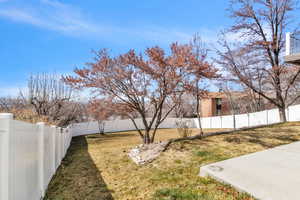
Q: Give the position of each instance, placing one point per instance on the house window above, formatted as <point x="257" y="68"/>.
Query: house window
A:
<point x="218" y="106"/>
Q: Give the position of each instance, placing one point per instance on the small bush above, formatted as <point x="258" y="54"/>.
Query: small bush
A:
<point x="183" y="128"/>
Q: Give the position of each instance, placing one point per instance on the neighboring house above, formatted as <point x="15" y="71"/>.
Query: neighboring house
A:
<point x="218" y="103"/>
<point x="215" y="104"/>
<point x="292" y="48"/>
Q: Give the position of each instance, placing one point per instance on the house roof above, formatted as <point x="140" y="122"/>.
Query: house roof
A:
<point x="222" y="95"/>
<point x="211" y="95"/>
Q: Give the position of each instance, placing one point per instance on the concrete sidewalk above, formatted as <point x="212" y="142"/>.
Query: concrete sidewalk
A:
<point x="272" y="174"/>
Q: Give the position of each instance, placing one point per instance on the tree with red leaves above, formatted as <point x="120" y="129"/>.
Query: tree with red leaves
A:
<point x="140" y="85"/>
<point x="100" y="110"/>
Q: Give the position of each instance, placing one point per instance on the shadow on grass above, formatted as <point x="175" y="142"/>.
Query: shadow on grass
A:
<point x="109" y="135"/>
<point x="267" y="137"/>
<point x="78" y="177"/>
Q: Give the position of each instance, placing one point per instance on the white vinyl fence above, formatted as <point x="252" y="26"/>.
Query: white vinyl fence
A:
<point x="238" y="121"/>
<point x="31" y="153"/>
<point x="91" y="127"/>
<point x="29" y="157"/>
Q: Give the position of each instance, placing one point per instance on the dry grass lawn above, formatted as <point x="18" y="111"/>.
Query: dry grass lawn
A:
<point x="98" y="168"/>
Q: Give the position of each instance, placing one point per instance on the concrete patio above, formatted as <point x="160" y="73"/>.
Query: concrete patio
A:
<point x="273" y="174"/>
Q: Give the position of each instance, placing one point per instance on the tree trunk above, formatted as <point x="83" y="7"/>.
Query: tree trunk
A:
<point x="101" y="127"/>
<point x="199" y="111"/>
<point x="200" y="125"/>
<point x="282" y="114"/>
<point x="147" y="139"/>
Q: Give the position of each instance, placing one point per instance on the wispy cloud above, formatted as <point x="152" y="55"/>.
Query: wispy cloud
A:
<point x="67" y="19"/>
<point x="51" y="15"/>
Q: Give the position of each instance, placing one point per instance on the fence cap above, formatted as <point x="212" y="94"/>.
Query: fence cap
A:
<point x="40" y="123"/>
<point x="6" y="116"/>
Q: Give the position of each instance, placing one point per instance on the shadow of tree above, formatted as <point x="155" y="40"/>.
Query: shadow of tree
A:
<point x="78" y="178"/>
<point x="109" y="135"/>
<point x="265" y="137"/>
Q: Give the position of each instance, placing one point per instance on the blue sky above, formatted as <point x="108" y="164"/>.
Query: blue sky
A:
<point x="58" y="35"/>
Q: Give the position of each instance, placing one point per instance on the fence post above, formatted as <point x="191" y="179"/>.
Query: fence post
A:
<point x="63" y="142"/>
<point x="70" y="130"/>
<point x="248" y="119"/>
<point x="41" y="137"/>
<point x="234" y="122"/>
<point x="70" y="135"/>
<point x="59" y="145"/>
<point x="5" y="127"/>
<point x="53" y="131"/>
<point x="267" y="120"/>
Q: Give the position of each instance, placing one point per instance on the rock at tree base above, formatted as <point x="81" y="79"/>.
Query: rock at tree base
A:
<point x="146" y="153"/>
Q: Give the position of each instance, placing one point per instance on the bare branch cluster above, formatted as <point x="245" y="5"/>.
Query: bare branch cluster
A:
<point x="52" y="99"/>
<point x="257" y="62"/>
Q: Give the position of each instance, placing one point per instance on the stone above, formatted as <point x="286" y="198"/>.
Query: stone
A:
<point x="146" y="153"/>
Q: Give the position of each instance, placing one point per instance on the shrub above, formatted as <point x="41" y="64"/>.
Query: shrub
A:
<point x="183" y="128"/>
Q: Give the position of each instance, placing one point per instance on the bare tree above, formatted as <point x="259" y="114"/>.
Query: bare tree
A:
<point x="261" y="26"/>
<point x="9" y="103"/>
<point x="70" y="112"/>
<point x="47" y="91"/>
<point x="198" y="74"/>
<point x="51" y="98"/>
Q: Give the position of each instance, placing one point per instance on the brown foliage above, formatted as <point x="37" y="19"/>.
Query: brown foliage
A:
<point x="139" y="85"/>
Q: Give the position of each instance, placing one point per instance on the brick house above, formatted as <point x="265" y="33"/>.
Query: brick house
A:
<point x="215" y="104"/>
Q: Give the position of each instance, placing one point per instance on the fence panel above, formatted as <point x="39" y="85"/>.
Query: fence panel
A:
<point x="48" y="156"/>
<point x="206" y="122"/>
<point x="227" y="121"/>
<point x="242" y="120"/>
<point x="23" y="161"/>
<point x="273" y="116"/>
<point x="294" y="113"/>
<point x="258" y="118"/>
<point x="27" y="158"/>
<point x="5" y="126"/>
<point x="56" y="147"/>
<point x="216" y="122"/>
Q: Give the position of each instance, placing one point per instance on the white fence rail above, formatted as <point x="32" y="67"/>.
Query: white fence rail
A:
<point x="29" y="157"/>
<point x="239" y="121"/>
